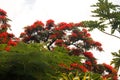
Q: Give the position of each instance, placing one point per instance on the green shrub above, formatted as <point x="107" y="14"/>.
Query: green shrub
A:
<point x="33" y="62"/>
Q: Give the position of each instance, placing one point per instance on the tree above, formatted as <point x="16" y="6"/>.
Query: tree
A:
<point x="5" y="38"/>
<point x="108" y="15"/>
<point x="66" y="35"/>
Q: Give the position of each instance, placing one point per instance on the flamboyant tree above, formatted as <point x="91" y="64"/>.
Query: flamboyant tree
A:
<point x="73" y="37"/>
<point x="5" y="37"/>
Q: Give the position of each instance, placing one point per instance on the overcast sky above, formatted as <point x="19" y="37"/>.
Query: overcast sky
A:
<point x="25" y="12"/>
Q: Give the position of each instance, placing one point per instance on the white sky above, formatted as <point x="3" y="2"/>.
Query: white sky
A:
<point x="25" y="12"/>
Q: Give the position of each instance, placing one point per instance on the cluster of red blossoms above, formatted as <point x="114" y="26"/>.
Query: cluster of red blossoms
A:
<point x="5" y="37"/>
<point x="62" y="34"/>
<point x="88" y="66"/>
<point x="112" y="72"/>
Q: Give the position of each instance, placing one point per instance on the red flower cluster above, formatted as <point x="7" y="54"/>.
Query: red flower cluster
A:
<point x="64" y="26"/>
<point x="12" y="43"/>
<point x="79" y="67"/>
<point x="74" y="35"/>
<point x="5" y="37"/>
<point x="22" y="34"/>
<point x="88" y="54"/>
<point x="59" y="42"/>
<point x="49" y="22"/>
<point x="88" y="63"/>
<point x="109" y="67"/>
<point x="97" y="43"/>
<point x="2" y="17"/>
<point x="2" y="12"/>
<point x="111" y="71"/>
<point x="37" y="24"/>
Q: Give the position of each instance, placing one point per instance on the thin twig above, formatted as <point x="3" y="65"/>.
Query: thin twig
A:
<point x="110" y="34"/>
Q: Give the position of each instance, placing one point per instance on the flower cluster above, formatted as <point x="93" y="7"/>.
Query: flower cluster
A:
<point x="64" y="26"/>
<point x="74" y="66"/>
<point x="2" y="12"/>
<point x="5" y="37"/>
<point x="88" y="54"/>
<point x="79" y="67"/>
<point x="67" y="33"/>
<point x="3" y="17"/>
<point x="111" y="70"/>
<point x="49" y="24"/>
<point x="59" y="42"/>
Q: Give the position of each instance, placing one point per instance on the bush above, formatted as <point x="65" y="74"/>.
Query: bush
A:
<point x="32" y="62"/>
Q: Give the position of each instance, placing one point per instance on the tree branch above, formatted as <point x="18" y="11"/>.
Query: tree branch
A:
<point x="110" y="34"/>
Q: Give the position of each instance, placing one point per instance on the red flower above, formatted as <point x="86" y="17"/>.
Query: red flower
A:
<point x="70" y="25"/>
<point x="38" y="23"/>
<point x="11" y="35"/>
<point x="98" y="44"/>
<point x="89" y="41"/>
<point x="88" y="35"/>
<point x="10" y="42"/>
<point x="2" y="12"/>
<point x="59" y="42"/>
<point x="100" y="48"/>
<point x="33" y="26"/>
<point x="57" y="29"/>
<point x="88" y="63"/>
<point x="74" y="34"/>
<point x="78" y="66"/>
<point x="62" y="23"/>
<point x="83" y="68"/>
<point x="88" y="54"/>
<point x="4" y="26"/>
<point x="4" y="34"/>
<point x="49" y="22"/>
<point x="63" y="27"/>
<point x="2" y="17"/>
<point x="115" y="77"/>
<point x="84" y="30"/>
<point x="74" y="65"/>
<point x="110" y="68"/>
<point x="22" y="34"/>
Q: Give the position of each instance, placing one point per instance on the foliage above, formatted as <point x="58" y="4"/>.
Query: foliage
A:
<point x="108" y="14"/>
<point x="81" y="76"/>
<point x="66" y="35"/>
<point x="116" y="59"/>
<point x="32" y="62"/>
<point x="35" y="62"/>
